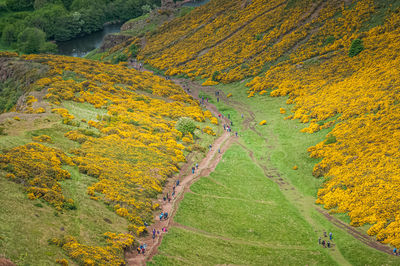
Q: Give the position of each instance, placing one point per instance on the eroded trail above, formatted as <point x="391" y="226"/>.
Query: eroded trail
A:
<point x="206" y="166"/>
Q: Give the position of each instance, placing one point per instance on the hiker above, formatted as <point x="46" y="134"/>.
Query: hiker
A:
<point x="164" y="198"/>
<point x="242" y="116"/>
<point x="173" y="188"/>
<point x="219" y="115"/>
<point x="166" y="216"/>
<point x="395" y="251"/>
<point x="330" y="236"/>
<point x="236" y="133"/>
<point x="329" y="244"/>
<point x="197" y="166"/>
<point x="144" y="248"/>
<point x="319" y="241"/>
<point x="177" y="182"/>
<point x="173" y="193"/>
<point x="217" y="100"/>
<point x="154" y="233"/>
<point x="138" y="250"/>
<point x="169" y="199"/>
<point x="219" y="150"/>
<point x="229" y="116"/>
<point x="210" y="146"/>
<point x="231" y="123"/>
<point x="141" y="248"/>
<point x="193" y="169"/>
<point x="323" y="243"/>
<point x="325" y="234"/>
<point x="224" y="127"/>
<point x="161" y="216"/>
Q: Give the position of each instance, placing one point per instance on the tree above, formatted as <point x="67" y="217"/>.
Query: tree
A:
<point x="185" y="125"/>
<point x="19" y="5"/>
<point x="33" y="40"/>
<point x="9" y="35"/>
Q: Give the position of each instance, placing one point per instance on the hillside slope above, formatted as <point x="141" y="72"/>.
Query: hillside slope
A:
<point x="336" y="60"/>
<point x="102" y="140"/>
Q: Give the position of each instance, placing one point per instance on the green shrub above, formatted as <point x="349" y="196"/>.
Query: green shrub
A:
<point x="330" y="139"/>
<point x="356" y="47"/>
<point x="185" y="125"/>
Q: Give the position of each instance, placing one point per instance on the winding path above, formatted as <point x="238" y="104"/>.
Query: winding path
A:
<point x="206" y="166"/>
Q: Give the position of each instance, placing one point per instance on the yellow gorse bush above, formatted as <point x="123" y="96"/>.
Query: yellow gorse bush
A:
<point x="39" y="168"/>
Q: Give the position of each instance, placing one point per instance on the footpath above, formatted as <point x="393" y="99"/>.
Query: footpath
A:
<point x="205" y="167"/>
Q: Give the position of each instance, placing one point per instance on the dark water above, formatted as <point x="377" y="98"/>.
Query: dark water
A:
<point x="196" y="3"/>
<point x="80" y="47"/>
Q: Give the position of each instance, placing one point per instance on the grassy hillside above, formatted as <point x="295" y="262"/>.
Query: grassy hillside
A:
<point x="85" y="157"/>
<point x="336" y="60"/>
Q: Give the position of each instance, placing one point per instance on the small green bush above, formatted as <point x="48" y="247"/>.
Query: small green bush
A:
<point x="356" y="47"/>
<point x="330" y="139"/>
<point x="185" y="125"/>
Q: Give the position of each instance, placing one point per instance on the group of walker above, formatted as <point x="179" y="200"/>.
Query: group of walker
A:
<point x="326" y="243"/>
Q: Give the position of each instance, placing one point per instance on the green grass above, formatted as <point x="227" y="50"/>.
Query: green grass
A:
<point x="25" y="241"/>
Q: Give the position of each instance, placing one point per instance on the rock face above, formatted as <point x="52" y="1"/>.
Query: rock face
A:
<point x="112" y="40"/>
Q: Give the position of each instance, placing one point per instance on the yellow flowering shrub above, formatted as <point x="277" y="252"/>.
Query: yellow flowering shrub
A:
<point x="263" y="122"/>
<point x="208" y="130"/>
<point x="42" y="138"/>
<point x="39" y="168"/>
<point x="214" y="120"/>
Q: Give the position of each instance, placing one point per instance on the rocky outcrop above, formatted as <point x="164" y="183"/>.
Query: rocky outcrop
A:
<point x="112" y="40"/>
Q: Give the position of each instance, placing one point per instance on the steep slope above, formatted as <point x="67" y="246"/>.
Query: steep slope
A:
<point x="336" y="60"/>
<point x="118" y="127"/>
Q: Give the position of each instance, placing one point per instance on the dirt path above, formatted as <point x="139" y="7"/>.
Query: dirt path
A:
<point x="206" y="166"/>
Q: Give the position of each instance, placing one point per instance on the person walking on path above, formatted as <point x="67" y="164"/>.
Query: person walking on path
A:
<point x="319" y="241"/>
<point x="236" y="133"/>
<point x="325" y="234"/>
<point x="329" y="244"/>
<point x="217" y="100"/>
<point x="210" y="146"/>
<point x="165" y="215"/>
<point x="323" y="243"/>
<point x="242" y="116"/>
<point x="395" y="251"/>
<point x="193" y="169"/>
<point x="154" y="233"/>
<point x="197" y="166"/>
<point x="219" y="150"/>
<point x="330" y="236"/>
<point x="177" y="182"/>
<point x="138" y="250"/>
<point x="161" y="216"/>
<point x="224" y="127"/>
